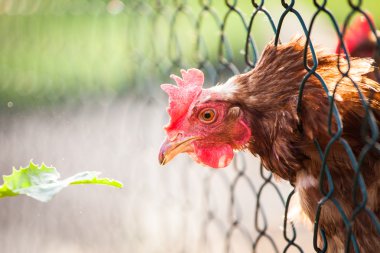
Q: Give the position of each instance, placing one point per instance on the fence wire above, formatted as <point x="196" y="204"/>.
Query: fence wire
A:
<point x="223" y="63"/>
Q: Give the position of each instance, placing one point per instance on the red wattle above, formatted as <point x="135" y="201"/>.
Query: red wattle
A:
<point x="215" y="156"/>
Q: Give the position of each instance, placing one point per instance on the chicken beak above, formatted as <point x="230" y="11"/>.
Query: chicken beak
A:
<point x="169" y="149"/>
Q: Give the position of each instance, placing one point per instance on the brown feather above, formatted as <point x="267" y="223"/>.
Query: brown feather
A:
<point x="268" y="96"/>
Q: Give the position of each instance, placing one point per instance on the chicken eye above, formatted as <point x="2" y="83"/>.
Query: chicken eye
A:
<point x="207" y="115"/>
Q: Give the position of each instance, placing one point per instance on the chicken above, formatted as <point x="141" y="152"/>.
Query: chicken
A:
<point x="257" y="111"/>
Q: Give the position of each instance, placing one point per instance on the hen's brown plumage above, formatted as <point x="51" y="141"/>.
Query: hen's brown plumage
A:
<point x="268" y="97"/>
<point x="258" y="111"/>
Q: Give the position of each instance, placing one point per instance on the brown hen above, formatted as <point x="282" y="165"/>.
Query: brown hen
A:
<point x="257" y="111"/>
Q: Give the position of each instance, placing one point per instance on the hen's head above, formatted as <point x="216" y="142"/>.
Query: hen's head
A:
<point x="203" y="123"/>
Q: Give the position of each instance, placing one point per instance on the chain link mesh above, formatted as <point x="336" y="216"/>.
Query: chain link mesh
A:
<point x="227" y="64"/>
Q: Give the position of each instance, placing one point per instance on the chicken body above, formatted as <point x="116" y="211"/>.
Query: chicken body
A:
<point x="270" y="103"/>
<point x="265" y="99"/>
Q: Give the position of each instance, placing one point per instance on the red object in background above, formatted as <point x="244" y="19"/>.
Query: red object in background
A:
<point x="359" y="39"/>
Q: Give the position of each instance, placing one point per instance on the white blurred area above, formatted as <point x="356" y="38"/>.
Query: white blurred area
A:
<point x="160" y="209"/>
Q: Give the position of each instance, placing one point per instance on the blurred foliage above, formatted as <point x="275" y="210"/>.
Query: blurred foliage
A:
<point x="52" y="51"/>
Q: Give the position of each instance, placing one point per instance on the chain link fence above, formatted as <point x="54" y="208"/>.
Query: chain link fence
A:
<point x="227" y="64"/>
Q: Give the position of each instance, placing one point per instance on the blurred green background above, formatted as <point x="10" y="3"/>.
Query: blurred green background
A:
<point x="55" y="51"/>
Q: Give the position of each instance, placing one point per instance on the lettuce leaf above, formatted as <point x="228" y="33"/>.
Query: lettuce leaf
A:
<point x="42" y="182"/>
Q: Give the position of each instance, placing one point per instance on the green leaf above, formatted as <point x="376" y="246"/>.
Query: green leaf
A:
<point x="95" y="180"/>
<point x="42" y="182"/>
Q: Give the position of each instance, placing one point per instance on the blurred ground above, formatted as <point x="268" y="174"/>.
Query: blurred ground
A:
<point x="160" y="209"/>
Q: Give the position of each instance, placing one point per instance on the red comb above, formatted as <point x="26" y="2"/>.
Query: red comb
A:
<point x="181" y="96"/>
<point x="357" y="32"/>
